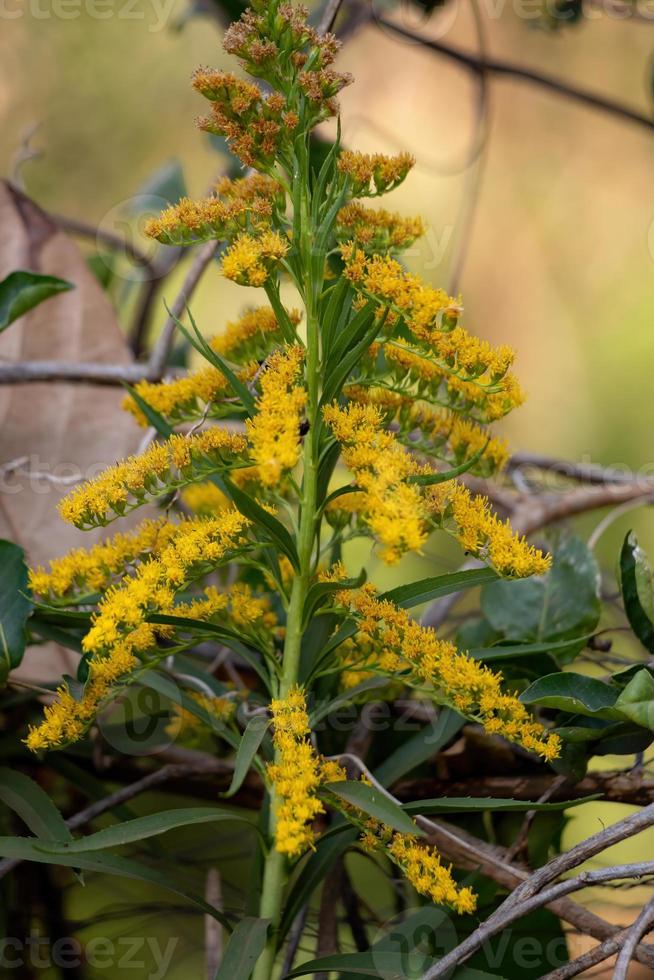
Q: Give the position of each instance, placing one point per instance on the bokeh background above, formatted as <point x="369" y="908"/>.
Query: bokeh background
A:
<point x="541" y="209"/>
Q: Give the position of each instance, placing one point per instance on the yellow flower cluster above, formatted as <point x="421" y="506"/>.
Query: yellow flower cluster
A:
<point x="479" y="531"/>
<point x="67" y="719"/>
<point x="93" y="569"/>
<point x="361" y="661"/>
<point x="185" y="398"/>
<point x="295" y="775"/>
<point x="421" y="866"/>
<point x="434" y="380"/>
<point x="440" y="433"/>
<point x="468" y="685"/>
<point x="160" y="469"/>
<point x="474" y="372"/>
<point x="274" y="432"/>
<point x="120" y="632"/>
<point x="240" y="203"/>
<point x="392" y="508"/>
<point x="249" y="337"/>
<point x="374" y="174"/>
<point x="250" y="259"/>
<point x="196" y="546"/>
<point x="376" y="230"/>
<point x="461" y="437"/>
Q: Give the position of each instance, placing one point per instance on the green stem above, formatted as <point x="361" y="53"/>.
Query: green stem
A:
<point x="276" y="869"/>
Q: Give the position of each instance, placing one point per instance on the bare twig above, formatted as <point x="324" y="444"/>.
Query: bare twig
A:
<point x="329" y="16"/>
<point x="521" y="898"/>
<point x="477" y="162"/>
<point x="506" y="69"/>
<point x="294" y="939"/>
<point x="587" y="960"/>
<point x="523" y="835"/>
<point x="75" y="226"/>
<point x="469" y="851"/>
<point x="635" y="933"/>
<point x="117" y="374"/>
<point x="583" y="472"/>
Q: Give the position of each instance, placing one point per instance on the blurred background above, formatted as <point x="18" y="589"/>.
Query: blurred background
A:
<point x="540" y="211"/>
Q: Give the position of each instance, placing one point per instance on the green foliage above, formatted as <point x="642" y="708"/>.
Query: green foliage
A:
<point x="15" y="606"/>
<point x="21" y="291"/>
<point x="562" y="605"/>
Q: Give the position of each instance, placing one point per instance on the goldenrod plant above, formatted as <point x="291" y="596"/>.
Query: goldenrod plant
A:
<point x="352" y="414"/>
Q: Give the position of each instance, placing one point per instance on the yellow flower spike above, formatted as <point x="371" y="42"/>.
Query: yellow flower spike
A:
<point x="250" y="336"/>
<point x="469" y="685"/>
<point x="393" y="509"/>
<point x="120" y="633"/>
<point x="274" y="431"/>
<point x="160" y="469"/>
<point x="295" y="775"/>
<point x="93" y="569"/>
<point x="479" y="531"/>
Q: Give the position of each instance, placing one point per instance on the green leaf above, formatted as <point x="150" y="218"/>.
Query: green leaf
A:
<point x="637" y="591"/>
<point x="463" y="804"/>
<point x="427" y="589"/>
<point x="143" y="827"/>
<point x="574" y="693"/>
<point x="420" y="747"/>
<point x="247" y="749"/>
<point x="429" y="479"/>
<point x="227" y="637"/>
<point x="636" y="701"/>
<point x="209" y="354"/>
<point x="156" y="420"/>
<point x="21" y="291"/>
<point x="384" y="966"/>
<point x="26" y="849"/>
<point x="373" y="802"/>
<point x="322" y="590"/>
<point x="15" y="606"/>
<point x="34" y="807"/>
<point x="564" y="604"/>
<point x="244" y="948"/>
<point x="272" y="528"/>
<point x="344" y="364"/>
<point x="506" y="652"/>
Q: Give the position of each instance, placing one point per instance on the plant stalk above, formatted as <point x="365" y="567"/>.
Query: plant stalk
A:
<point x="275" y="869"/>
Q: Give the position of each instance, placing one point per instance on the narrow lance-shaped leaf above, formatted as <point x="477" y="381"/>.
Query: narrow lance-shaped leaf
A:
<point x="143" y="827"/>
<point x="35" y="808"/>
<point x="243" y="949"/>
<point x="376" y="804"/>
<point x="26" y="849"/>
<point x="248" y="747"/>
<point x="156" y="420"/>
